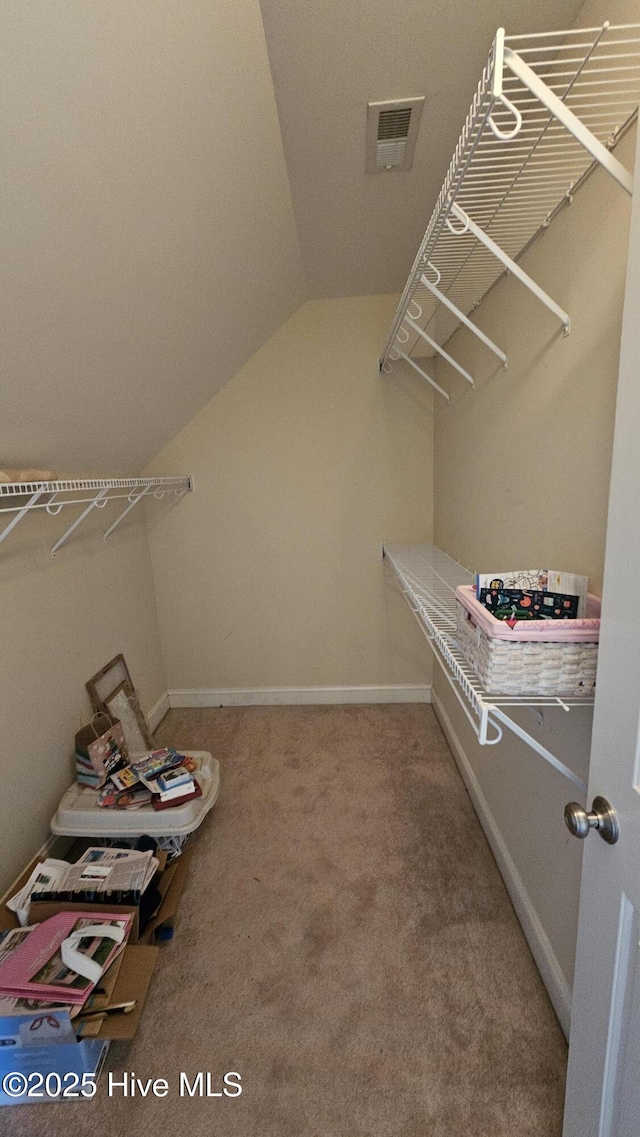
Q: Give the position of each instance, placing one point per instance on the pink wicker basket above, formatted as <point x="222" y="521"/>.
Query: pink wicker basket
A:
<point x="536" y="657"/>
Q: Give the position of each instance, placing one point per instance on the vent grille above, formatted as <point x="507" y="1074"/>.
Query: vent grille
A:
<point x="392" y="129"/>
<point x="394" y="124"/>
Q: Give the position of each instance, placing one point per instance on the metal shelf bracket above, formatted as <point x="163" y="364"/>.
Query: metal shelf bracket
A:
<point x="436" y="347"/>
<point x="98" y="502"/>
<point x="469" y="226"/>
<point x="398" y="354"/>
<point x="442" y="299"/>
<point x="133" y="500"/>
<point x="20" y="514"/>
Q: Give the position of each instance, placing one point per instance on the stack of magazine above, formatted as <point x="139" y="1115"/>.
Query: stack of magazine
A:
<point x="100" y="876"/>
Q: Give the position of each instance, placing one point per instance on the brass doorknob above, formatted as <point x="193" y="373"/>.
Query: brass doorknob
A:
<point x="602" y="817"/>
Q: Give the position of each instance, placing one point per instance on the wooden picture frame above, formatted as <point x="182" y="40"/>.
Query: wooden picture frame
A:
<point x="105" y="681"/>
<point x="114" y="680"/>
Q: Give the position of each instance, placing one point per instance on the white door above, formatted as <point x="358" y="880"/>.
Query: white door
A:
<point x="603" y="1088"/>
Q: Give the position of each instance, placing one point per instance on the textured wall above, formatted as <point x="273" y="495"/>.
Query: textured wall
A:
<point x="270" y="573"/>
<point x="62" y="620"/>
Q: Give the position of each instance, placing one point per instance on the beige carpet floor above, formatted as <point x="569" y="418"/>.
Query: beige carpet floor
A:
<point x="345" y="943"/>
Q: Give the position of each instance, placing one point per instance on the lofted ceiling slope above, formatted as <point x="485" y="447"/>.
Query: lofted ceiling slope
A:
<point x="359" y="232"/>
<point x="148" y="238"/>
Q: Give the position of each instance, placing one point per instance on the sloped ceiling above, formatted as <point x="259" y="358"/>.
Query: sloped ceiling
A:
<point x="148" y="235"/>
<point x="148" y="239"/>
<point x="359" y="232"/>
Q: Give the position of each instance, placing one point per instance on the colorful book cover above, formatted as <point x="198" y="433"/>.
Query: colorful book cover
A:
<point x="124" y="779"/>
<point x="522" y="604"/>
<point x="110" y="798"/>
<point x="537" y="580"/>
<point x="156" y="763"/>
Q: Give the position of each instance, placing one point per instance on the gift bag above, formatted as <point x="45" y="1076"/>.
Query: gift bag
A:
<point x="100" y="750"/>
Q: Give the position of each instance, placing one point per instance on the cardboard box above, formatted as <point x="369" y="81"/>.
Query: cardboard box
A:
<point x="169" y="882"/>
<point x="130" y="975"/>
<point x="132" y="982"/>
<point x="170" y="886"/>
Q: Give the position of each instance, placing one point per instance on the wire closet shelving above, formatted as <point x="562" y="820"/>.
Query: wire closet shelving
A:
<point x="18" y="499"/>
<point x="549" y="109"/>
<point x="428" y="578"/>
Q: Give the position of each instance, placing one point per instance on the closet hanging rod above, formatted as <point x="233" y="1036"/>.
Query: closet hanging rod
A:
<point x="535" y="130"/>
<point x="60" y="504"/>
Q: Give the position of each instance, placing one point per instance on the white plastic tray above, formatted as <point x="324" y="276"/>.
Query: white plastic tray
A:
<point x="79" y="814"/>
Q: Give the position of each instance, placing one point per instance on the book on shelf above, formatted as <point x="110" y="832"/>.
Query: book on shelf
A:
<point x="562" y="585"/>
<point x="528" y="604"/>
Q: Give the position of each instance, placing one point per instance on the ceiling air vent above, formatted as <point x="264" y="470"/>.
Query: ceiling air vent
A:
<point x="392" y="129"/>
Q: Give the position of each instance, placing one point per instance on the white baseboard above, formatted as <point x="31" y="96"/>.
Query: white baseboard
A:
<point x="158" y="711"/>
<point x="541" y="949"/>
<point x="294" y="696"/>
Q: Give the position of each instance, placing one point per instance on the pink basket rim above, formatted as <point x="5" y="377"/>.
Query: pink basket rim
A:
<point x="550" y="631"/>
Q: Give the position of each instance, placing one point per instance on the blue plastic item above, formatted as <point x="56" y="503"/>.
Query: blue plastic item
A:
<point x="40" y="1059"/>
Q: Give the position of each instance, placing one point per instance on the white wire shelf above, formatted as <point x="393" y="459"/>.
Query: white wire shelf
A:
<point x="548" y="109"/>
<point x="21" y="498"/>
<point x="428" y="578"/>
